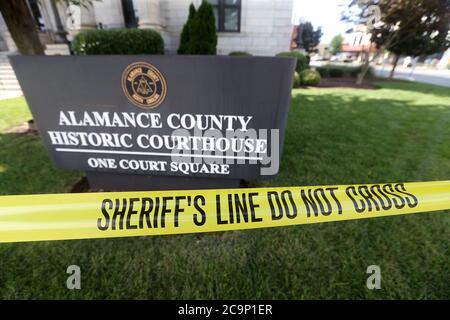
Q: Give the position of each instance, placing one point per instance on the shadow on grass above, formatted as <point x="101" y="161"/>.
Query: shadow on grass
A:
<point x="413" y="87"/>
<point x="354" y="138"/>
<point x="25" y="167"/>
<point x="333" y="137"/>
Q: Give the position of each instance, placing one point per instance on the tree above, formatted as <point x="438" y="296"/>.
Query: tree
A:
<point x="413" y="27"/>
<point x="307" y="37"/>
<point x="336" y="44"/>
<point x="184" y="38"/>
<point x="22" y="25"/>
<point x="406" y="27"/>
<point x="202" y="33"/>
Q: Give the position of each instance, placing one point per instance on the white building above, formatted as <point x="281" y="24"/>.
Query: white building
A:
<point x="260" y="27"/>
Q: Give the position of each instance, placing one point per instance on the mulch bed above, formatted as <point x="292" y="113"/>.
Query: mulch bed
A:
<point x="345" y="83"/>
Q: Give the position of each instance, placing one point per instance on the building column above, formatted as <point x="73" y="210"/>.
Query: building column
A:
<point x="87" y="17"/>
<point x="109" y="13"/>
<point x="150" y="15"/>
<point x="77" y="18"/>
<point x="52" y="20"/>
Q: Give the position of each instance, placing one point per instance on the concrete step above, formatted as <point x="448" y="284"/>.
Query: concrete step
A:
<point x="9" y="81"/>
<point x="7" y="71"/>
<point x="8" y="76"/>
<point x="9" y="87"/>
<point x="57" y="49"/>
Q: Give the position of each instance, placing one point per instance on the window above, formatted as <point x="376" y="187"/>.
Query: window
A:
<point x="228" y="15"/>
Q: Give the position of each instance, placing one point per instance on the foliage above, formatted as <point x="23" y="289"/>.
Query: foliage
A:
<point x="239" y="53"/>
<point x="118" y="41"/>
<point x="405" y="27"/>
<point x="184" y="38"/>
<point x="412" y="27"/>
<point x="336" y="71"/>
<point x="307" y="37"/>
<point x="336" y="44"/>
<point x="310" y="77"/>
<point x="202" y="33"/>
<point x="302" y="59"/>
<point x="296" y="83"/>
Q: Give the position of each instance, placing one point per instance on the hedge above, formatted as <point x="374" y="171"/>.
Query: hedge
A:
<point x="296" y="83"/>
<point x="239" y="53"/>
<point x="118" y="41"/>
<point x="335" y="71"/>
<point x="302" y="59"/>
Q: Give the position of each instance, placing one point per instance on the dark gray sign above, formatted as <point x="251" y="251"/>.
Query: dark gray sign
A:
<point x="131" y="117"/>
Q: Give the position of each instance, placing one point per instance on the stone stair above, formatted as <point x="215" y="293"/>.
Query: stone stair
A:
<point x="9" y="86"/>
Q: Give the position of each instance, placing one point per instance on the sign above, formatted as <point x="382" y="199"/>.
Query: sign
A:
<point x="126" y="214"/>
<point x="123" y="119"/>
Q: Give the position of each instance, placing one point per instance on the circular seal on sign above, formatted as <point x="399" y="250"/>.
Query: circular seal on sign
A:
<point x="144" y="85"/>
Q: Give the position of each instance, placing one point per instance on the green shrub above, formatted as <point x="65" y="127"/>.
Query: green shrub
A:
<point x="184" y="38"/>
<point x="323" y="71"/>
<point x="118" y="41"/>
<point x="296" y="82"/>
<point x="310" y="77"/>
<point x="302" y="60"/>
<point x="202" y="33"/>
<point x="335" y="71"/>
<point x="239" y="53"/>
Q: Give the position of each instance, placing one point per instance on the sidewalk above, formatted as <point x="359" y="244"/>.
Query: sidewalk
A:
<point x="420" y="74"/>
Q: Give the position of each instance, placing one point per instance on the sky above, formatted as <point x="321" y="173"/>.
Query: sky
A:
<point x="325" y="13"/>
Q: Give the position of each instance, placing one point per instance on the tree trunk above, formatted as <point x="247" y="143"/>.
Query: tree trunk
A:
<point x="365" y="67"/>
<point x="394" y="65"/>
<point x="22" y="26"/>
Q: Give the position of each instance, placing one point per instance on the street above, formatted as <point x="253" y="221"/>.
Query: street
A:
<point x="437" y="77"/>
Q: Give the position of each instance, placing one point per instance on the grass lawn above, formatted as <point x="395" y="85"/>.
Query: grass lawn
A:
<point x="399" y="132"/>
<point x="13" y="112"/>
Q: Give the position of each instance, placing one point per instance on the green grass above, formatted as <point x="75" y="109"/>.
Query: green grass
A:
<point x="399" y="132"/>
<point x="13" y="112"/>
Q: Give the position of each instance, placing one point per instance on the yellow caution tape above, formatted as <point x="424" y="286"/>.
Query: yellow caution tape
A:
<point x="125" y="214"/>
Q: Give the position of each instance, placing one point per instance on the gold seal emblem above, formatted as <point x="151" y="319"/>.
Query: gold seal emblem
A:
<point x="144" y="85"/>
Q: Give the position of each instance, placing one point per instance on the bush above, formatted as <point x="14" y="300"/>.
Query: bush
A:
<point x="302" y="60"/>
<point x="202" y="33"/>
<point x="323" y="71"/>
<point x="310" y="77"/>
<point x="342" y="71"/>
<point x="296" y="82"/>
<point x="336" y="72"/>
<point x="184" y="38"/>
<point x="118" y="41"/>
<point x="239" y="53"/>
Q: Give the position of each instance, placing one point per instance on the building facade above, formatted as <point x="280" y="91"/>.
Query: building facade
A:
<point x="357" y="42"/>
<point x="260" y="27"/>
